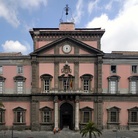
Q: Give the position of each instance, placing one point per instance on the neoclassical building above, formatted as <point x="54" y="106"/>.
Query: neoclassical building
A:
<point x="68" y="81"/>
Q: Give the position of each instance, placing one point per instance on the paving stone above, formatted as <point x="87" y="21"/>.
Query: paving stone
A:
<point x="65" y="133"/>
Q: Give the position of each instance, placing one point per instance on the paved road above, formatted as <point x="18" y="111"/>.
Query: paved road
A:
<point x="65" y="134"/>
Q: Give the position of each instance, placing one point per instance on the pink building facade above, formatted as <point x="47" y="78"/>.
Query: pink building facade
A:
<point x="68" y="81"/>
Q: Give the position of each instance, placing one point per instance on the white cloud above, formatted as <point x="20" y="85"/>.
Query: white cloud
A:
<point x="122" y="31"/>
<point x="9" y="9"/>
<point x="15" y="46"/>
<point x="9" y="14"/>
<point x="79" y="11"/>
<point x="29" y="4"/>
<point x="111" y="3"/>
<point x="91" y="5"/>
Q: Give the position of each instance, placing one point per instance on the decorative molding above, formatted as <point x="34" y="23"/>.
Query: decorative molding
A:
<point x="66" y="69"/>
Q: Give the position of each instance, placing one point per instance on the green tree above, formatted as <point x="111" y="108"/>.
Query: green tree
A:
<point x="91" y="129"/>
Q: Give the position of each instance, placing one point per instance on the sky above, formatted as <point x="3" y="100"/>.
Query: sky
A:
<point x="119" y="18"/>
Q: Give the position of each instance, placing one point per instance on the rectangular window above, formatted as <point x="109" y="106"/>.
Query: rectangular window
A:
<point x="66" y="84"/>
<point x="86" y="117"/>
<point x="1" y="70"/>
<point x="133" y="87"/>
<point x="46" y="116"/>
<point x="1" y="117"/>
<point x="1" y="86"/>
<point x="19" y="69"/>
<point x="113" y="68"/>
<point x="134" y="117"/>
<point x="19" y="86"/>
<point x="134" y="68"/>
<point x="46" y="85"/>
<point x="86" y="85"/>
<point x="113" y="87"/>
<point x="19" y="117"/>
<point x="113" y="117"/>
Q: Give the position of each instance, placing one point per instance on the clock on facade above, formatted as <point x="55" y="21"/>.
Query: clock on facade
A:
<point x="66" y="48"/>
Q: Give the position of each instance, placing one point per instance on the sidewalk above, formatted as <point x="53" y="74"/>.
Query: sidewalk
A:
<point x="65" y="133"/>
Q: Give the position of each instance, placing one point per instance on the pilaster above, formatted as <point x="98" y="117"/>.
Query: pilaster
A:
<point x="99" y="73"/>
<point x="34" y="115"/>
<point x="77" y="113"/>
<point x="76" y="74"/>
<point x="56" y="113"/>
<point x="56" y="74"/>
<point x="35" y="76"/>
<point x="98" y="112"/>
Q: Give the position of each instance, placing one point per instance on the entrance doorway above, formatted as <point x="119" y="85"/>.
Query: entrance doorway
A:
<point x="66" y="116"/>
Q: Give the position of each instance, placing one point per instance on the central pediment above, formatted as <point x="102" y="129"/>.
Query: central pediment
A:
<point x="67" y="46"/>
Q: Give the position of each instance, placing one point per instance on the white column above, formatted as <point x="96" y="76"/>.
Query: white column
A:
<point x="56" y="114"/>
<point x="77" y="115"/>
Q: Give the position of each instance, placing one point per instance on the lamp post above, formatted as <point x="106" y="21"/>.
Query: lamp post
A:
<point x="12" y="132"/>
<point x="116" y="133"/>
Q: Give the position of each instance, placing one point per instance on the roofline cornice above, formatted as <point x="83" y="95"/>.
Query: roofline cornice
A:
<point x="82" y="32"/>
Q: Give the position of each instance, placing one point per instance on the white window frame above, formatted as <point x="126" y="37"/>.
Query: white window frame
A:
<point x="46" y="83"/>
<point x="2" y="81"/>
<point x="20" y="87"/>
<point x="86" y="85"/>
<point x="113" y="86"/>
<point x="66" y="84"/>
<point x="20" y="84"/>
<point x="1" y="86"/>
<point x="20" y="69"/>
<point x="133" y="84"/>
<point x="113" y="82"/>
<point x="86" y="82"/>
<point x="133" y="87"/>
<point x="1" y="69"/>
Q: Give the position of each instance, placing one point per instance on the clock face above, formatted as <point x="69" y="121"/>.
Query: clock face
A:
<point x="66" y="48"/>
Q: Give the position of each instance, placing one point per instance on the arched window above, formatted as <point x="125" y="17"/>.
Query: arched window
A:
<point x="20" y="84"/>
<point x="133" y="84"/>
<point x="113" y="84"/>
<point x="46" y="82"/>
<point x="86" y="82"/>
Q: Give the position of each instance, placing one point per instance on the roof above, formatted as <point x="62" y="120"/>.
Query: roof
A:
<point x="125" y="52"/>
<point x="11" y="54"/>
